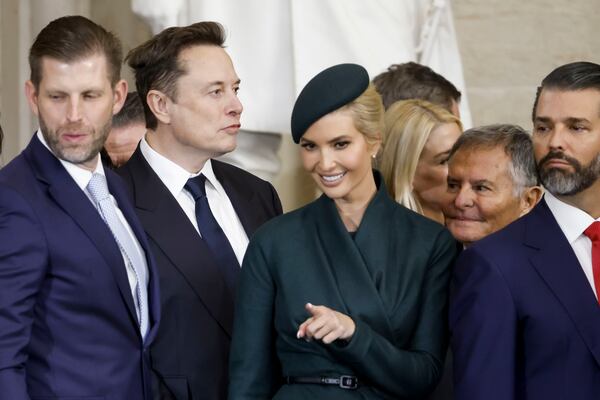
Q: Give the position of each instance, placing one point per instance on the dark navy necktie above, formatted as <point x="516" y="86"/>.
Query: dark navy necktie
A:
<point x="212" y="233"/>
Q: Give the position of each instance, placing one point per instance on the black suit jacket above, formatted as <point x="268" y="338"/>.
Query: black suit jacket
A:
<point x="191" y="351"/>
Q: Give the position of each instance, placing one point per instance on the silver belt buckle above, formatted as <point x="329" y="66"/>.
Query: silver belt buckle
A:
<point x="348" y="382"/>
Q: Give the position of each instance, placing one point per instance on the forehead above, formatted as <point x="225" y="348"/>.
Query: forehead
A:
<point x="556" y="104"/>
<point x="207" y="63"/>
<point x="479" y="164"/>
<point x="88" y="70"/>
<point x="332" y="125"/>
<point x="443" y="136"/>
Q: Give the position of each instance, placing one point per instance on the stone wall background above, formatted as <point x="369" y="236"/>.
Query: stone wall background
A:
<point x="507" y="47"/>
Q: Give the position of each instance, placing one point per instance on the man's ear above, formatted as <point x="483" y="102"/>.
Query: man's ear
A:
<point x="119" y="95"/>
<point x="32" y="97"/>
<point x="530" y="197"/>
<point x="158" y="102"/>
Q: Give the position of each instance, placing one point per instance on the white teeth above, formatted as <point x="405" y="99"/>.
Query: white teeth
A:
<point x="332" y="178"/>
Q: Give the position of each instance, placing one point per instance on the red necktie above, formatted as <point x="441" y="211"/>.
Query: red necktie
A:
<point x="593" y="232"/>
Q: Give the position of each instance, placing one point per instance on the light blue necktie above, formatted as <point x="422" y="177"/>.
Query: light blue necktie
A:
<point x="98" y="189"/>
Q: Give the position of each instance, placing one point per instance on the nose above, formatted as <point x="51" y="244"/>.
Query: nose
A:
<point x="234" y="106"/>
<point x="464" y="198"/>
<point x="326" y="161"/>
<point x="74" y="110"/>
<point x="556" y="139"/>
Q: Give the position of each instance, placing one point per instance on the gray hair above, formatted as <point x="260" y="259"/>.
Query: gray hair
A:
<point x="517" y="145"/>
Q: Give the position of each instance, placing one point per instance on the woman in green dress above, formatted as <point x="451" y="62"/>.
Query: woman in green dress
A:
<point x="345" y="298"/>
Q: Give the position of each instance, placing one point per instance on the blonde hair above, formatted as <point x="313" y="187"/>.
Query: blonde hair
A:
<point x="408" y="124"/>
<point x="367" y="114"/>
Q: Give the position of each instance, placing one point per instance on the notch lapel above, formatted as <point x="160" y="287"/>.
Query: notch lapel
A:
<point x="65" y="192"/>
<point x="558" y="266"/>
<point x="115" y="186"/>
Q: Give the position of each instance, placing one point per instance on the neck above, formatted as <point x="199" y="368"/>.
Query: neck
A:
<point x="351" y="210"/>
<point x="187" y="157"/>
<point x="586" y="200"/>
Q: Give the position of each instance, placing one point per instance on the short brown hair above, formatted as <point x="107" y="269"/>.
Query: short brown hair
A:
<point x="415" y="81"/>
<point x="72" y="38"/>
<point x="156" y="62"/>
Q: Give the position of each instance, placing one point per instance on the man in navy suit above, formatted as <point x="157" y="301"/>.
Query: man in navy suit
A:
<point x="524" y="312"/>
<point x="198" y="212"/>
<point x="78" y="294"/>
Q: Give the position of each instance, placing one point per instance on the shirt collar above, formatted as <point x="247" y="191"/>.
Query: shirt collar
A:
<point x="572" y="220"/>
<point x="172" y="175"/>
<point x="81" y="175"/>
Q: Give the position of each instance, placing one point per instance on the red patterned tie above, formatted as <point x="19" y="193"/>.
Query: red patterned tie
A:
<point x="593" y="232"/>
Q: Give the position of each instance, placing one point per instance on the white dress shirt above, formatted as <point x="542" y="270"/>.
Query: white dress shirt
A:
<point x="82" y="177"/>
<point x="175" y="177"/>
<point x="573" y="222"/>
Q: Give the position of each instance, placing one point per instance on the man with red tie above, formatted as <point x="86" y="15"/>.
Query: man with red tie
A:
<point x="525" y="312"/>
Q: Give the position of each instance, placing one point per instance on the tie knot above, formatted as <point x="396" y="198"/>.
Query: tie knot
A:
<point x="593" y="232"/>
<point x="196" y="186"/>
<point x="98" y="188"/>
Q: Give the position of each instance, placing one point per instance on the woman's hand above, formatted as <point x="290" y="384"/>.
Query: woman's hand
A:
<point x="326" y="325"/>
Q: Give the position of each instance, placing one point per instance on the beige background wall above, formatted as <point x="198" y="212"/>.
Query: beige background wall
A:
<point x="507" y="46"/>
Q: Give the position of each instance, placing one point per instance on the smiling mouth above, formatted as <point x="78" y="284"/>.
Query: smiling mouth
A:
<point x="332" y="178"/>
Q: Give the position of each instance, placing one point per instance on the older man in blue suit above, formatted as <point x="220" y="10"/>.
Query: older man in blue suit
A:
<point x="525" y="315"/>
<point x="78" y="292"/>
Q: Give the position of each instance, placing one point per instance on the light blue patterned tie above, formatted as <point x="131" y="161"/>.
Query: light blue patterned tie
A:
<point x="98" y="189"/>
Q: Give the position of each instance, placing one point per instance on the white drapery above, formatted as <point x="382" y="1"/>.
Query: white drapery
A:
<point x="278" y="45"/>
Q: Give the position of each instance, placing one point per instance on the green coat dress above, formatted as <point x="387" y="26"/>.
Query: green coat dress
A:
<point x="391" y="279"/>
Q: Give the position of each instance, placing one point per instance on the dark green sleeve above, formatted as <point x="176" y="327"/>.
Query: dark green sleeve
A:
<point x="254" y="370"/>
<point x="413" y="371"/>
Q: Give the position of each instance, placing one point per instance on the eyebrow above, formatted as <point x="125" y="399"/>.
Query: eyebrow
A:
<point x="574" y="120"/>
<point x="569" y="120"/>
<point x="335" y="139"/>
<point x="221" y="83"/>
<point x="443" y="153"/>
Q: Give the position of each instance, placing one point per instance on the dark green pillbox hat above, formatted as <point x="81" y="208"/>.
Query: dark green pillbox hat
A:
<point x="329" y="90"/>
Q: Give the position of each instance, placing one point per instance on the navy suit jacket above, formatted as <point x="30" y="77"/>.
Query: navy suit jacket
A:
<point x="191" y="351"/>
<point x="525" y="322"/>
<point x="68" y="327"/>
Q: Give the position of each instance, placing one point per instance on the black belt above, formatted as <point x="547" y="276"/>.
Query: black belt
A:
<point x="348" y="382"/>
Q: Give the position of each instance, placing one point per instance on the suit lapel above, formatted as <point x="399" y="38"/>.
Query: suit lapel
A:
<point x="117" y="190"/>
<point x="241" y="198"/>
<point x="347" y="265"/>
<point x="165" y="222"/>
<point x="558" y="266"/>
<point x="65" y="192"/>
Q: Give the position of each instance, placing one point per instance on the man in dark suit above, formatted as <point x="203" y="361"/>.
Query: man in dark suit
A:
<point x="78" y="294"/>
<point x="525" y="315"/>
<point x="197" y="212"/>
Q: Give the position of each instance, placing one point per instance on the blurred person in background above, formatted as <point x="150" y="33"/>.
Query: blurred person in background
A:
<point x="128" y="127"/>
<point x="412" y="80"/>
<point x="417" y="139"/>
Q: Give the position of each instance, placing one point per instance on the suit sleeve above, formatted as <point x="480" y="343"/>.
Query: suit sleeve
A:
<point x="483" y="322"/>
<point x="253" y="366"/>
<point x="410" y="371"/>
<point x="23" y="258"/>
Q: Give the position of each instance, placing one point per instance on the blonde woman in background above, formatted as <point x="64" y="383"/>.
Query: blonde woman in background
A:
<point x="417" y="139"/>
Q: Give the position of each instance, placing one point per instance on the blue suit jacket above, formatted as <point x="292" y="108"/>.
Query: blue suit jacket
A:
<point x="525" y="322"/>
<point x="68" y="327"/>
